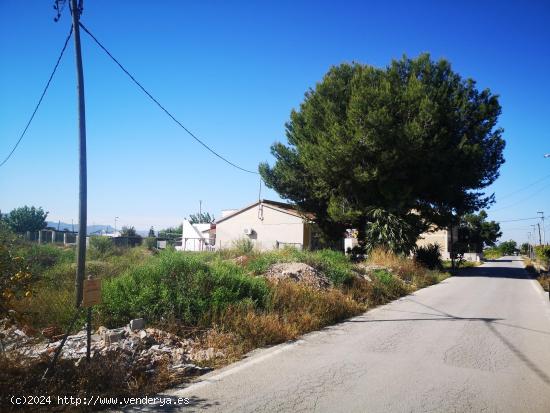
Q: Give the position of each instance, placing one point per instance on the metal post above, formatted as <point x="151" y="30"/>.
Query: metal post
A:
<point x="83" y="192"/>
<point x="543" y="228"/>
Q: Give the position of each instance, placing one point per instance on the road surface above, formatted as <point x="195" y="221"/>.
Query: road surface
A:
<point x="479" y="342"/>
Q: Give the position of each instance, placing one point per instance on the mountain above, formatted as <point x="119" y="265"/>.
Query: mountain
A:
<point x="91" y="229"/>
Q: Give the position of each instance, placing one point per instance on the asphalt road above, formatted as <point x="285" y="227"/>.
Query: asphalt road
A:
<point x="479" y="342"/>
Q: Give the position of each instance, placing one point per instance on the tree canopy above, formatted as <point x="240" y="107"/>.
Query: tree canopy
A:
<point x="26" y="218"/>
<point x="128" y="232"/>
<point x="414" y="139"/>
<point x="476" y="233"/>
<point x="201" y="218"/>
<point x="508" y="247"/>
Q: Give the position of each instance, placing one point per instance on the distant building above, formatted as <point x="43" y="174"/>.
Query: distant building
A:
<point x="267" y="224"/>
<point x="196" y="237"/>
<point x="441" y="237"/>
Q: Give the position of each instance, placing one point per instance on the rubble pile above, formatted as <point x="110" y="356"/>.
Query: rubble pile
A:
<point x="12" y="337"/>
<point x="298" y="272"/>
<point x="146" y="348"/>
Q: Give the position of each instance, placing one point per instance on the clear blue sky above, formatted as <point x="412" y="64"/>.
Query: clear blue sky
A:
<point x="231" y="72"/>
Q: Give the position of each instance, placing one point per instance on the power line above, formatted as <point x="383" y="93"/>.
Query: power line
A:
<point x="519" y="219"/>
<point x="41" y="98"/>
<point x="524" y="188"/>
<point x="161" y="106"/>
<point x="522" y="200"/>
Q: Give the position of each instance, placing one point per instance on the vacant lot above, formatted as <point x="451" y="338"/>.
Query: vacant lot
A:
<point x="223" y="303"/>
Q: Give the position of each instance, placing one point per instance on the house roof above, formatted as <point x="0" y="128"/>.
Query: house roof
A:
<point x="280" y="206"/>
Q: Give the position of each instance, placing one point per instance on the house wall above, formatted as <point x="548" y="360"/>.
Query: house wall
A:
<point x="276" y="226"/>
<point x="441" y="237"/>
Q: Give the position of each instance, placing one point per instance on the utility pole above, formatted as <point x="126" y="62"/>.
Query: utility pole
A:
<point x="543" y="227"/>
<point x="200" y="208"/>
<point x="83" y="181"/>
<point x="540" y="237"/>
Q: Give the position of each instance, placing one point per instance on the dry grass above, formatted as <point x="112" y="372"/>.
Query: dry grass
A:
<point x="236" y="314"/>
<point x="293" y="310"/>
<point x="406" y="269"/>
<point x="544" y="280"/>
<point x="104" y="377"/>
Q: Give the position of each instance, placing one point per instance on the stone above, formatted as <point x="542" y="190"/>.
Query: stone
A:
<point x="137" y="324"/>
<point x="112" y="336"/>
<point x="298" y="272"/>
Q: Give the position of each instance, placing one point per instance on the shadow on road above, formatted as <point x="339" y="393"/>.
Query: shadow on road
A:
<point x="494" y="271"/>
<point x="489" y="322"/>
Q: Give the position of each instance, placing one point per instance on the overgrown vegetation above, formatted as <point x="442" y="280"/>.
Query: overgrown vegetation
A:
<point x="222" y="297"/>
<point x="504" y="248"/>
<point x="429" y="256"/>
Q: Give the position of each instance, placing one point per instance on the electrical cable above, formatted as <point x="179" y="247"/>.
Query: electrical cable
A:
<point x="521" y="200"/>
<point x="524" y="188"/>
<point x="161" y="106"/>
<point x="519" y="219"/>
<point x="41" y="98"/>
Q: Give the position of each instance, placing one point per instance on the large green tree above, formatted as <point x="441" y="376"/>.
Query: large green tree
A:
<point x="414" y="139"/>
<point x="476" y="233"/>
<point x="26" y="218"/>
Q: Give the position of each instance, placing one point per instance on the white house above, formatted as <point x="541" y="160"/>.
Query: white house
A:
<point x="196" y="237"/>
<point x="267" y="224"/>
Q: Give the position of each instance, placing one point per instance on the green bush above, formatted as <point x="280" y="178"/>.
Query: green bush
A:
<point x="542" y="252"/>
<point x="181" y="286"/>
<point x="428" y="256"/>
<point x="101" y="247"/>
<point x="243" y="246"/>
<point x="386" y="287"/>
<point x="492" y="253"/>
<point x="150" y="243"/>
<point x="334" y="264"/>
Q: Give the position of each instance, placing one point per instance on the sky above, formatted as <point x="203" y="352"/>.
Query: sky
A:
<point x="231" y="72"/>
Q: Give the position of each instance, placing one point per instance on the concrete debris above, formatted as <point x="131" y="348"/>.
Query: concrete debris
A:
<point x="148" y="347"/>
<point x="137" y="324"/>
<point x="202" y="355"/>
<point x="298" y="272"/>
<point x="12" y="337"/>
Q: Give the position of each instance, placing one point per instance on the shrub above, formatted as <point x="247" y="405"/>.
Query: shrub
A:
<point x="243" y="246"/>
<point x="40" y="257"/>
<point x="492" y="253"/>
<point x="428" y="256"/>
<point x="150" y="243"/>
<point x="101" y="247"/>
<point x="334" y="264"/>
<point x="15" y="275"/>
<point x="386" y="287"/>
<point x="293" y="309"/>
<point x="181" y="286"/>
<point x="542" y="252"/>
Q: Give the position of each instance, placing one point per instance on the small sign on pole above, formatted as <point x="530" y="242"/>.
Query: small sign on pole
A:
<point x="92" y="293"/>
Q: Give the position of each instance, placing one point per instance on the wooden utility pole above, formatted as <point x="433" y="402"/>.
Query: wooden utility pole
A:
<point x="83" y="191"/>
